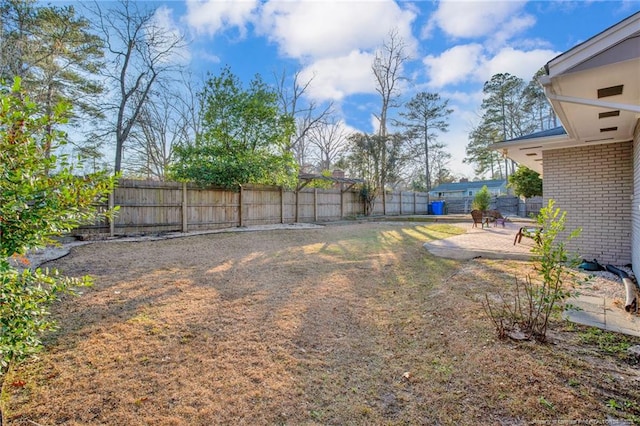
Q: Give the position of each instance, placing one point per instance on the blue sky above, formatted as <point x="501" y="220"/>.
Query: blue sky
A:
<point x="455" y="46"/>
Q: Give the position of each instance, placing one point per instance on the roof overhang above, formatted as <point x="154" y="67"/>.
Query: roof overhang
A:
<point x="529" y="151"/>
<point x="594" y="89"/>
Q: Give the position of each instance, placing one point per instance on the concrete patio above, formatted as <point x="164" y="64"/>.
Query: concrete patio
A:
<point x="497" y="243"/>
<point x="489" y="242"/>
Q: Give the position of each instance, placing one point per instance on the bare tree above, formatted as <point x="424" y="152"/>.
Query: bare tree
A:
<point x="142" y="54"/>
<point x="189" y="106"/>
<point x="330" y="139"/>
<point x="307" y="115"/>
<point x="168" y="119"/>
<point x="387" y="69"/>
<point x="159" y="127"/>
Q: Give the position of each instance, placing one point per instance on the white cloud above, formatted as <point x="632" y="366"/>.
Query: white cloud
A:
<point x="205" y="56"/>
<point x="516" y="62"/>
<point x="320" y="29"/>
<point x="453" y="65"/>
<point x="213" y="16"/>
<point x="470" y="63"/>
<point x="510" y="28"/>
<point x="168" y="36"/>
<point x="473" y="98"/>
<point x="467" y="19"/>
<point x="335" y="78"/>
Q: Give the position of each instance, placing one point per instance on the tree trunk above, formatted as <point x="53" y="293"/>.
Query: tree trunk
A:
<point x="118" y="162"/>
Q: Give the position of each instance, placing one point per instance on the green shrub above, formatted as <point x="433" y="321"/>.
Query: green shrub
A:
<point x="482" y="199"/>
<point x="528" y="309"/>
<point x="40" y="198"/>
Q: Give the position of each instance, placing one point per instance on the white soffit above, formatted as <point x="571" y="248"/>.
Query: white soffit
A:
<point x="595" y="87"/>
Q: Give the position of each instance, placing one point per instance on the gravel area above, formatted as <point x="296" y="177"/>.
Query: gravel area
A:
<point x="604" y="283"/>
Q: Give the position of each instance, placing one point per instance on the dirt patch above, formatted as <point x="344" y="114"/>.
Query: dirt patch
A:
<point x="352" y="324"/>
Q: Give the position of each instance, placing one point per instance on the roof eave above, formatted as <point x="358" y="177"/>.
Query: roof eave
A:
<point x="529" y="152"/>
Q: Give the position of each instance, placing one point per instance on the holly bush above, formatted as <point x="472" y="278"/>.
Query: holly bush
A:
<point x="40" y="198"/>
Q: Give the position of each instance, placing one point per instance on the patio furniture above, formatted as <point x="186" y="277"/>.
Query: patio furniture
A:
<point x="496" y="217"/>
<point x="501" y="221"/>
<point x="478" y="218"/>
<point x="533" y="232"/>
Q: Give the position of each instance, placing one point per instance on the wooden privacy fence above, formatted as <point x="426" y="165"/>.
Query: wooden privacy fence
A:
<point x="149" y="207"/>
<point x="508" y="205"/>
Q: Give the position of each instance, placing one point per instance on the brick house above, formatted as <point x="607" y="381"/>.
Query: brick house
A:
<point x="591" y="165"/>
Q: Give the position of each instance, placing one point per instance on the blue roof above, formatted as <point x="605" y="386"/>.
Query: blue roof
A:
<point x="462" y="186"/>
<point x="556" y="131"/>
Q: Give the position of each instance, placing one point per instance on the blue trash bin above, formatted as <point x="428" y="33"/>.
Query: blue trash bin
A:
<point x="438" y="207"/>
<point x="430" y="208"/>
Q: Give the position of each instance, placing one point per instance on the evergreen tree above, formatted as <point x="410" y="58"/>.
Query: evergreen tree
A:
<point x="536" y="105"/>
<point x="17" y="22"/>
<point x="506" y="114"/>
<point x="425" y="115"/>
<point x="54" y="53"/>
<point x="243" y="140"/>
<point x="478" y="153"/>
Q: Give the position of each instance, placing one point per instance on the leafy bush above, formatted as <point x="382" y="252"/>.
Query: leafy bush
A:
<point x="528" y="309"/>
<point x="482" y="199"/>
<point x="24" y="299"/>
<point x="244" y="137"/>
<point x="526" y="182"/>
<point x="212" y="165"/>
<point x="40" y="198"/>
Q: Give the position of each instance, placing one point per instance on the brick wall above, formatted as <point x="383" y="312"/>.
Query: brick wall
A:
<point x="636" y="203"/>
<point x="594" y="185"/>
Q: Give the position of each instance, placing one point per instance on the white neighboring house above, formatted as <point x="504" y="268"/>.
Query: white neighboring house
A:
<point x="591" y="165"/>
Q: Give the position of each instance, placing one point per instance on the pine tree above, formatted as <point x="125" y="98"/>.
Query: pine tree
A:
<point x="425" y="115"/>
<point x="54" y="53"/>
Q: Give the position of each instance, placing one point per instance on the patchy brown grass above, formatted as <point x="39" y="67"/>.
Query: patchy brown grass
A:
<point x="353" y="324"/>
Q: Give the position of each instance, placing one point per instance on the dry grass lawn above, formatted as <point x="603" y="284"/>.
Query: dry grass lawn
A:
<point x="353" y="324"/>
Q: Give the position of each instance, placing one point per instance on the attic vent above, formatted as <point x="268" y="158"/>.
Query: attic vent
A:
<point x="530" y="147"/>
<point x="610" y="91"/>
<point x="530" y="154"/>
<point x="609" y="114"/>
<point x="609" y="129"/>
<point x="598" y="140"/>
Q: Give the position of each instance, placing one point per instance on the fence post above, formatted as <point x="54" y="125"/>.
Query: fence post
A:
<point x="240" y="207"/>
<point x="282" y="204"/>
<point x="185" y="224"/>
<point x="415" y="205"/>
<point x="315" y="204"/>
<point x="384" y="202"/>
<point x="112" y="224"/>
<point x="341" y="200"/>
<point x="400" y="202"/>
